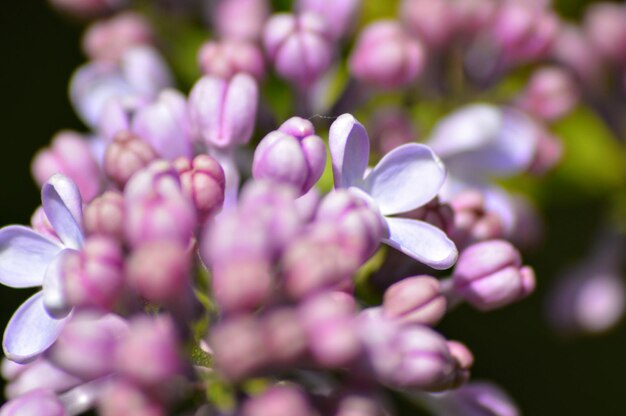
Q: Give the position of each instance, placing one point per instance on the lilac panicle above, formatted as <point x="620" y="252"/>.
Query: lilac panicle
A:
<point x="293" y="155"/>
<point x="70" y="155"/>
<point x="228" y="57"/>
<point x="405" y="179"/>
<point x="490" y="275"/>
<point x="415" y="300"/>
<point x="299" y="46"/>
<point x="109" y="39"/>
<point x="29" y="259"/>
<point x="386" y="56"/>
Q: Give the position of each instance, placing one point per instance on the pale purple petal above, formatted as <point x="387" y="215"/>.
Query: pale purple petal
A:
<point x="240" y="108"/>
<point x="405" y="179"/>
<point x="30" y="331"/>
<point x="349" y="150"/>
<point x="145" y="70"/>
<point x="422" y="241"/>
<point x="467" y="129"/>
<point x="205" y="108"/>
<point x="54" y="298"/>
<point x="63" y="206"/>
<point x="164" y="125"/>
<point x="24" y="256"/>
<point x="227" y="161"/>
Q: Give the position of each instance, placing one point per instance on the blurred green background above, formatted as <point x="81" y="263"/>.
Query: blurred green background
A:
<point x="514" y="347"/>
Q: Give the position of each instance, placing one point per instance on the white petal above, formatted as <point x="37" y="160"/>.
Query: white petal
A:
<point x="422" y="241"/>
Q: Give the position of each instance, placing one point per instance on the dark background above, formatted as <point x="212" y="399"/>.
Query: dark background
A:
<point x="547" y="375"/>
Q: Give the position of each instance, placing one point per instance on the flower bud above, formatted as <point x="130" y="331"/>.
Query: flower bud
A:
<point x="238" y="346"/>
<point x="472" y="221"/>
<point x="149" y="355"/>
<point x="574" y="49"/>
<point x="156" y="208"/>
<point x="37" y="375"/>
<point x="464" y="360"/>
<point x="37" y="402"/>
<point x="278" y="401"/>
<point x="386" y="56"/>
<point x="339" y="15"/>
<point x="223" y="112"/>
<point x="604" y="24"/>
<point x="121" y="397"/>
<point x="125" y="156"/>
<point x="109" y="39"/>
<point x="105" y="216"/>
<point x="358" y="222"/>
<point x="86" y="346"/>
<point x="523" y="31"/>
<point x="298" y="46"/>
<point x="293" y="155"/>
<point x="489" y="275"/>
<point x="203" y="182"/>
<point x="93" y="277"/>
<point x="360" y="404"/>
<point x="547" y="154"/>
<point x="433" y="21"/>
<point x="317" y="262"/>
<point x="159" y="271"/>
<point x="240" y="19"/>
<point x="226" y="58"/>
<point x="409" y="356"/>
<point x="244" y="284"/>
<point x="285" y="339"/>
<point x="551" y="94"/>
<point x="472" y="16"/>
<point x="328" y="320"/>
<point x="70" y="155"/>
<point x="415" y="300"/>
<point x="164" y="125"/>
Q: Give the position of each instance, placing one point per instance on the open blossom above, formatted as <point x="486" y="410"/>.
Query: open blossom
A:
<point x="405" y="179"/>
<point x="30" y="259"/>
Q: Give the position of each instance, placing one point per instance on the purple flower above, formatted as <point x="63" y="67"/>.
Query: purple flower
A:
<point x="405" y="179"/>
<point x="38" y="402"/>
<point x="340" y="16"/>
<point x="108" y="39"/>
<point x="29" y="259"/>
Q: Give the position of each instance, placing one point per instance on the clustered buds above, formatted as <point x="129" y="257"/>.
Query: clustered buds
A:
<point x="196" y="251"/>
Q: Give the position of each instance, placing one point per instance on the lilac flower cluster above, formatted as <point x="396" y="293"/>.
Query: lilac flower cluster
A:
<point x="200" y="254"/>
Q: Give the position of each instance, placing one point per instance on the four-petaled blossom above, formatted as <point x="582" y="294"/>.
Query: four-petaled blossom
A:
<point x="405" y="179"/>
<point x="30" y="259"/>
